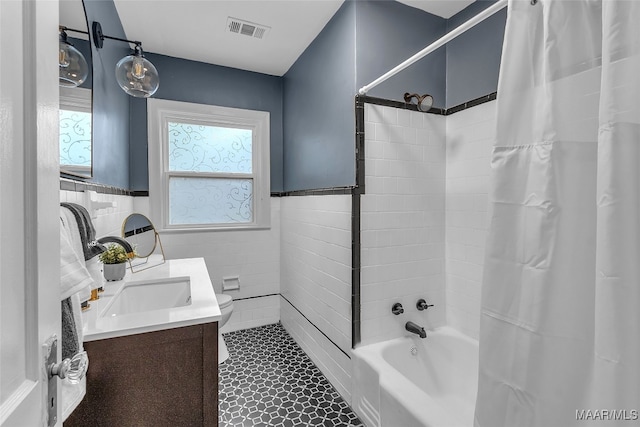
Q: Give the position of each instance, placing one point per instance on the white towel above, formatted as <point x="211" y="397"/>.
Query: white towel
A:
<point x="71" y="224"/>
<point x="73" y="233"/>
<point x="74" y="276"/>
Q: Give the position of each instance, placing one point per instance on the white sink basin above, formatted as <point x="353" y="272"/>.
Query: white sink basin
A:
<point x="149" y="295"/>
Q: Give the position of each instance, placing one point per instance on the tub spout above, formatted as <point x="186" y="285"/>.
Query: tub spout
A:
<point x="415" y="329"/>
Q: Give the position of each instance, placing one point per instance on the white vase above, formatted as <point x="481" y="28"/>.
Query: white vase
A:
<point x="113" y="272"/>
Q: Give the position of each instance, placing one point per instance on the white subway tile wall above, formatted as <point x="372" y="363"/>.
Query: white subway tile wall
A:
<point x="253" y="312"/>
<point x="470" y="137"/>
<point x="403" y="223"/>
<point x="316" y="278"/>
<point x="316" y="262"/>
<point x="107" y="222"/>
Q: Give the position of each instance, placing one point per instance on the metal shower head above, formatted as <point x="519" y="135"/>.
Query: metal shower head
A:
<point x="424" y="102"/>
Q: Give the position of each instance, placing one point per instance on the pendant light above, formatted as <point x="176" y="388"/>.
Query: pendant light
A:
<point x="72" y="67"/>
<point x="135" y="74"/>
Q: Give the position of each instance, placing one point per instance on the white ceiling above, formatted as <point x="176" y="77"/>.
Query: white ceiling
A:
<point x="197" y="29"/>
<point x="443" y="8"/>
<point x="72" y="16"/>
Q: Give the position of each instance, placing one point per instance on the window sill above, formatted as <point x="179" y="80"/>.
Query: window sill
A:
<point x="213" y="229"/>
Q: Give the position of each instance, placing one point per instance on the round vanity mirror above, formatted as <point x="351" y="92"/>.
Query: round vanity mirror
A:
<point x="140" y="233"/>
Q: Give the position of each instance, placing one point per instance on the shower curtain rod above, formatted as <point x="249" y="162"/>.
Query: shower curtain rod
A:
<point x="499" y="5"/>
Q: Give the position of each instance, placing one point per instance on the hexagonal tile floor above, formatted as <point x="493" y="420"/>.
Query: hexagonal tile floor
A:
<point x="269" y="381"/>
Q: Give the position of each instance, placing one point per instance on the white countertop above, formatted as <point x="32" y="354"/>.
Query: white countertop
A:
<point x="203" y="308"/>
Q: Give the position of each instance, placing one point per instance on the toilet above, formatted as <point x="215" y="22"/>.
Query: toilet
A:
<point x="225" y="302"/>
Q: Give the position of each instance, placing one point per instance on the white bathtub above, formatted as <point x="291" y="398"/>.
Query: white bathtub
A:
<point x="435" y="387"/>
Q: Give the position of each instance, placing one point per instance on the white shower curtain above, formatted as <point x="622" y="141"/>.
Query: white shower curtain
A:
<point x="560" y="318"/>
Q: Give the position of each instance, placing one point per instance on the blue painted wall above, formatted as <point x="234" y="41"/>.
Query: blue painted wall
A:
<point x="390" y="32"/>
<point x="312" y="106"/>
<point x="319" y="113"/>
<point x="110" y="103"/>
<point x="197" y="82"/>
<point x="473" y="58"/>
<point x="363" y="40"/>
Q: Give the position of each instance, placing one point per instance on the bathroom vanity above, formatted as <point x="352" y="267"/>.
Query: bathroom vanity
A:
<point x="152" y="341"/>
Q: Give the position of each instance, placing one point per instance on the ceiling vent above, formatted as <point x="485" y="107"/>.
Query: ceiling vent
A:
<point x="246" y="28"/>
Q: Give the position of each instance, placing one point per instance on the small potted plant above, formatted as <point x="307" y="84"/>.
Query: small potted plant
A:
<point x="114" y="259"/>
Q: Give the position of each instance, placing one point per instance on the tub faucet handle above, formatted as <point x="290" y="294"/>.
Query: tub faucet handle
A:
<point x="422" y="304"/>
<point x="397" y="309"/>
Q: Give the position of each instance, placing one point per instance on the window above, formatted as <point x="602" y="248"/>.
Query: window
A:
<point x="75" y="130"/>
<point x="208" y="166"/>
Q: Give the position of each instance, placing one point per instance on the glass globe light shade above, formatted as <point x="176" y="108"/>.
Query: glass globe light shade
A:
<point x="73" y="68"/>
<point x="137" y="76"/>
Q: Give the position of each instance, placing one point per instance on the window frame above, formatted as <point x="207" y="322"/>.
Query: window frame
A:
<point x="159" y="113"/>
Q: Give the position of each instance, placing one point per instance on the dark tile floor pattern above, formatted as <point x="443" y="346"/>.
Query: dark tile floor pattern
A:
<point x="269" y="381"/>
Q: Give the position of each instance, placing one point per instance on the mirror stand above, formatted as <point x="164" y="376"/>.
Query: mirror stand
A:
<point x="143" y="264"/>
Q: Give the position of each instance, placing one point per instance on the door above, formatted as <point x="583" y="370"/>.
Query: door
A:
<point x="29" y="197"/>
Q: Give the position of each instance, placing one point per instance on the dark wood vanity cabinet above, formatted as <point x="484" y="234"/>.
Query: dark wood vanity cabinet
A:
<point x="162" y="378"/>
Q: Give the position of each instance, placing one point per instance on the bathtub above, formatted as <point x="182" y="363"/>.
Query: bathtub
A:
<point x="411" y="382"/>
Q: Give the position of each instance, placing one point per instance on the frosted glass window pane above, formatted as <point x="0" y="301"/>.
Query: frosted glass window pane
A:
<point x="210" y="201"/>
<point x="196" y="148"/>
<point x="75" y="138"/>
